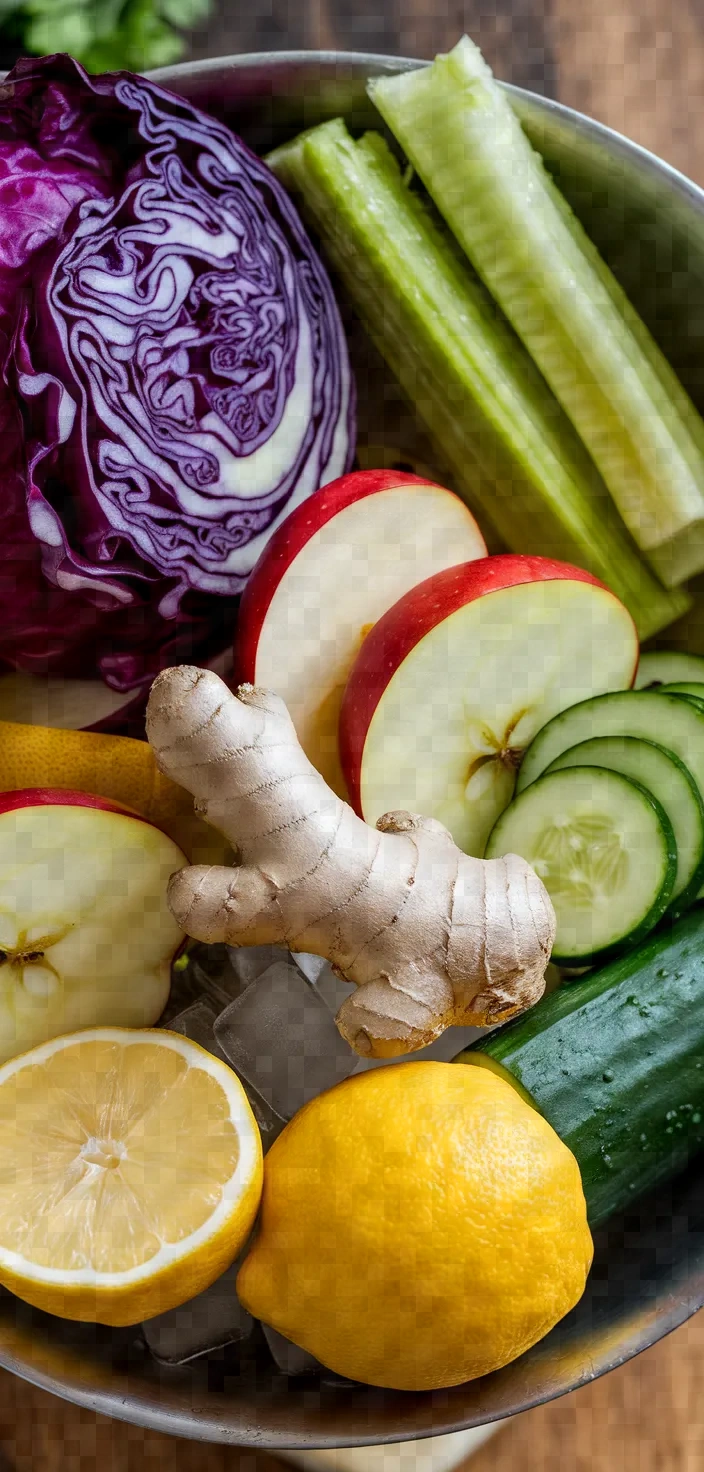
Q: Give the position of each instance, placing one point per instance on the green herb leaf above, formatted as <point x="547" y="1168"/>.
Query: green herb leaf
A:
<point x="185" y="13"/>
<point x="104" y="35"/>
<point x="71" y="32"/>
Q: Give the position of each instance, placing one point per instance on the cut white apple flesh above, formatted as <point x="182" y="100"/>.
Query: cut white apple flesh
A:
<point x="334" y="566"/>
<point x="80" y="705"/>
<point x="51" y="700"/>
<point x="456" y="679"/>
<point x="86" y="935"/>
<point x="667" y="667"/>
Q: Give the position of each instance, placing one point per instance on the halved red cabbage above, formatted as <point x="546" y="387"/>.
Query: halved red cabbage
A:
<point x="176" y="354"/>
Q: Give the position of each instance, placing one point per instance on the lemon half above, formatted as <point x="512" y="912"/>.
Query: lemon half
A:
<point x="130" y="1173"/>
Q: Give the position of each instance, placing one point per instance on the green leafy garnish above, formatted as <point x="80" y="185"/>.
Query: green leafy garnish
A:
<point x="104" y="35"/>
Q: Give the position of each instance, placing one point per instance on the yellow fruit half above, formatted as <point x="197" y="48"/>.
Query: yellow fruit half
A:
<point x="130" y="1173"/>
<point x="110" y="766"/>
<point x="421" y="1225"/>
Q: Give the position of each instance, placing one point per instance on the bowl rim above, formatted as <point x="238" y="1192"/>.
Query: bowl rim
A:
<point x="329" y="57"/>
<point x="122" y="1399"/>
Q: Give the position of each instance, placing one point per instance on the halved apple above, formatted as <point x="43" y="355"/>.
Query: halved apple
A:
<point x="454" y="681"/>
<point x="333" y="567"/>
<point x="86" y="935"/>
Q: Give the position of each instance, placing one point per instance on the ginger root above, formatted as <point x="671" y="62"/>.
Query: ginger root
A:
<point x="429" y="936"/>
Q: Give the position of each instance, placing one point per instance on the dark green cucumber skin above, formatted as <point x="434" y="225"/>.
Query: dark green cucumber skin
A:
<point x="692" y="688"/>
<point x="615" y="1063"/>
<point x="693" y="699"/>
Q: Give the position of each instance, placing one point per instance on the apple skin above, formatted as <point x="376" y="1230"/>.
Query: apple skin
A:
<point x="287" y="541"/>
<point x="397" y="632"/>
<point x="35" y="797"/>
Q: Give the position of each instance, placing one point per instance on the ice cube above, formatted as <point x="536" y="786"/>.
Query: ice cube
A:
<point x="216" y="974"/>
<point x="334" y="990"/>
<point x="310" y="965"/>
<point x="206" y="1323"/>
<point x="288" y="1357"/>
<point x="270" y="1123"/>
<point x="331" y="987"/>
<point x="213" y="971"/>
<point x="281" y="1037"/>
<point x="250" y="962"/>
<point x="204" y="972"/>
<point x="197" y="1022"/>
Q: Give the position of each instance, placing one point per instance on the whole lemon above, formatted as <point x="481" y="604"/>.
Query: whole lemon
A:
<point x="421" y="1225"/>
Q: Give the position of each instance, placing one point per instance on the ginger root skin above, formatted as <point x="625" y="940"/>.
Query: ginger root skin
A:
<point x="430" y="937"/>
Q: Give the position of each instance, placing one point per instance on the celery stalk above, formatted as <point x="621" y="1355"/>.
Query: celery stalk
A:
<point x="514" y="454"/>
<point x="458" y="129"/>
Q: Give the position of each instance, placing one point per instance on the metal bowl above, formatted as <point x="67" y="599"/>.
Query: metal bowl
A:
<point x="648" y="1273"/>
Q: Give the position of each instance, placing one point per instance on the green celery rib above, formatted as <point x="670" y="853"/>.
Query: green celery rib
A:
<point x="514" y="454"/>
<point x="459" y="131"/>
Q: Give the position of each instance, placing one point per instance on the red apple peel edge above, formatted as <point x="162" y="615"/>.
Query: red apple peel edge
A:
<point x="398" y="631"/>
<point x="292" y="536"/>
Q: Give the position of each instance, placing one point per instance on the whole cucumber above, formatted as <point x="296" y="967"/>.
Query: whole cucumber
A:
<point x="615" y="1063"/>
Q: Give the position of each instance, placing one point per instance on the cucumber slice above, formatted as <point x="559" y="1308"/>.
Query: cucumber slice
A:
<point x="669" y="720"/>
<point x="663" y="774"/>
<point x="605" y="851"/>
<point x="663" y="666"/>
<point x="513" y="453"/>
<point x="458" y="129"/>
<point x="690" y="689"/>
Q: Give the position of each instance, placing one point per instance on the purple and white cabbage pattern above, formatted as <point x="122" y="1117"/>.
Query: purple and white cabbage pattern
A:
<point x="176" y="354"/>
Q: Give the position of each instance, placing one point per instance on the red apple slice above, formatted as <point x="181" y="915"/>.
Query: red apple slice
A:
<point x="86" y="936"/>
<point x="332" y="568"/>
<point x="454" y="681"/>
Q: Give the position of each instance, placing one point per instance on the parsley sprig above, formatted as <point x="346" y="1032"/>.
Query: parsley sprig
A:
<point x="105" y="35"/>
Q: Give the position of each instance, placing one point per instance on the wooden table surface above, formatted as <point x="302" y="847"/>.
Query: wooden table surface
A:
<point x="646" y="1417"/>
<point x="637" y="65"/>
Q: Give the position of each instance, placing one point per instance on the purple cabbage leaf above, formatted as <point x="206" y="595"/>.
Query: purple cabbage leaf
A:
<point x="175" y="373"/>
